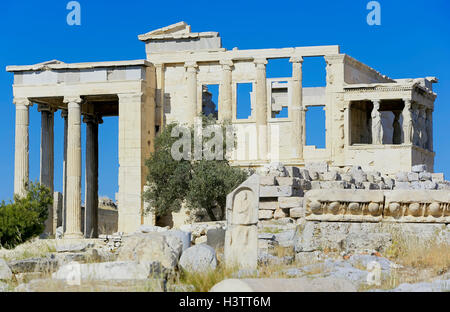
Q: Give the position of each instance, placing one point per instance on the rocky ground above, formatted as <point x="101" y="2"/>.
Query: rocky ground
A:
<point x="159" y="259"/>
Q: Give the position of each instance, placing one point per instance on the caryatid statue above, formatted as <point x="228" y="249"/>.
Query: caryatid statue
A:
<point x="377" y="128"/>
<point x="407" y="122"/>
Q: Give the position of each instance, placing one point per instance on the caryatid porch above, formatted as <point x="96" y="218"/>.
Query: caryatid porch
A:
<point x="87" y="92"/>
<point x="382" y="117"/>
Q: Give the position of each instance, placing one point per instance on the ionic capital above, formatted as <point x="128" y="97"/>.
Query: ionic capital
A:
<point x="46" y="108"/>
<point x="226" y="64"/>
<point x="260" y="63"/>
<point x="92" y="119"/>
<point x="72" y="99"/>
<point x="296" y="59"/>
<point x="22" y="102"/>
<point x="89" y="119"/>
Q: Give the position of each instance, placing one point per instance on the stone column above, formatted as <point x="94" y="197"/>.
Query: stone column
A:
<point x="261" y="107"/>
<point x="225" y="92"/>
<point x="297" y="108"/>
<point x="160" y="94"/>
<point x="191" y="92"/>
<point x="73" y="201"/>
<point x="422" y="125"/>
<point x="377" y="128"/>
<point x="430" y="129"/>
<point x="407" y="122"/>
<point x="21" y="151"/>
<point x="64" y="115"/>
<point x="47" y="156"/>
<point x="91" y="193"/>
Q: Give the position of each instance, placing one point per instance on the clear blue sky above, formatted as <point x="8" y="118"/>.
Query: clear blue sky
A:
<point x="413" y="40"/>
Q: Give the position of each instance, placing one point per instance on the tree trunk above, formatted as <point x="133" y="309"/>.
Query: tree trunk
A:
<point x="211" y="215"/>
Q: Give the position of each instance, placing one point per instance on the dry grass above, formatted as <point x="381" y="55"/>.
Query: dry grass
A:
<point x="421" y="255"/>
<point x="280" y="251"/>
<point x="388" y="281"/>
<point x="204" y="281"/>
<point x="36" y="248"/>
<point x="50" y="285"/>
<point x="271" y="230"/>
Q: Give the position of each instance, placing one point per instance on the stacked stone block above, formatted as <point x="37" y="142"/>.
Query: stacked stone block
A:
<point x="280" y="195"/>
<point x="420" y="179"/>
<point x="282" y="187"/>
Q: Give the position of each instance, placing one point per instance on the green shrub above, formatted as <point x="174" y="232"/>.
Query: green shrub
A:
<point x="25" y="217"/>
<point x="211" y="181"/>
<point x="202" y="184"/>
<point x="167" y="177"/>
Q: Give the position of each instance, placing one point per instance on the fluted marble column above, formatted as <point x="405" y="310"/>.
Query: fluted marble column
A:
<point x="377" y="128"/>
<point x="429" y="123"/>
<point x="21" y="149"/>
<point x="160" y="94"/>
<point x="225" y="93"/>
<point x="191" y="91"/>
<point x="64" y="115"/>
<point x="261" y="107"/>
<point x="297" y="108"/>
<point x="407" y="122"/>
<point x="73" y="202"/>
<point x="91" y="193"/>
<point x="47" y="156"/>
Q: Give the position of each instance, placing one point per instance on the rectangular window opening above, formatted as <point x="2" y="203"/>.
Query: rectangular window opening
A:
<point x="315" y="126"/>
<point x="244" y="93"/>
<point x="279" y="98"/>
<point x="210" y="100"/>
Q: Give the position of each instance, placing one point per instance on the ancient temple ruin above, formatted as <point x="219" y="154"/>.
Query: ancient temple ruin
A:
<point x="373" y="121"/>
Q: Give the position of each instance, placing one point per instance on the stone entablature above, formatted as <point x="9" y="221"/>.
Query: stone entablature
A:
<point x="344" y="205"/>
<point x="417" y="206"/>
<point x="378" y="206"/>
<point x="390" y="91"/>
<point x="78" y="73"/>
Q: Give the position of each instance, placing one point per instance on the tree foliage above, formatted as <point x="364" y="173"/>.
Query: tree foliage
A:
<point x="202" y="184"/>
<point x="25" y="217"/>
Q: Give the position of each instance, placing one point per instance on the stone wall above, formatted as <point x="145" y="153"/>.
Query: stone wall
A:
<point x="283" y="187"/>
<point x="107" y="219"/>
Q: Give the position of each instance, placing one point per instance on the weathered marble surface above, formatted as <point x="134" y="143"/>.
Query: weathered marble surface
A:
<point x="241" y="239"/>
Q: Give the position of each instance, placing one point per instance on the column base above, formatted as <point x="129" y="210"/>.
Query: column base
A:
<point x="78" y="235"/>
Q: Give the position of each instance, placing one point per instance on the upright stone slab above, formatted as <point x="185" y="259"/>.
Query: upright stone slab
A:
<point x="241" y="237"/>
